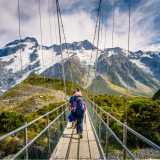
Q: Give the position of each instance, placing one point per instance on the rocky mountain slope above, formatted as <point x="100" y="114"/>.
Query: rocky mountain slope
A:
<point x="114" y="71"/>
<point x="33" y="94"/>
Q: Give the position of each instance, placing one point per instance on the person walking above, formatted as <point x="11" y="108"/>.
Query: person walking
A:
<point x="80" y="108"/>
<point x="71" y="108"/>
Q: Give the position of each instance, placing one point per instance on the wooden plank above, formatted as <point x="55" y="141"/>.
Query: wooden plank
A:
<point x="62" y="147"/>
<point x="84" y="146"/>
<point x="94" y="151"/>
<point x="91" y="136"/>
<point x="73" y="153"/>
<point x="84" y="150"/>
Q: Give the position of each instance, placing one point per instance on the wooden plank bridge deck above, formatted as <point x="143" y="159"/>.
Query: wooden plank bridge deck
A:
<point x="70" y="146"/>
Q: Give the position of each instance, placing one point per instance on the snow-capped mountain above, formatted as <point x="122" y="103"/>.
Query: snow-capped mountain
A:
<point x="111" y="69"/>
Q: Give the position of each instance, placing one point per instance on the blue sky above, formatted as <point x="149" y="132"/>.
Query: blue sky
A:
<point x="79" y="22"/>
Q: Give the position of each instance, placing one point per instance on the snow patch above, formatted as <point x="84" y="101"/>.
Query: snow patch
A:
<point x="110" y="53"/>
<point x="142" y="66"/>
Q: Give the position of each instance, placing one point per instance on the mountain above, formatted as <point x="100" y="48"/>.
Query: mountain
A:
<point x="112" y="67"/>
<point x="149" y="62"/>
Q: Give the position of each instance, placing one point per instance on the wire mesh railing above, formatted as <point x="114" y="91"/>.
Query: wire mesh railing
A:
<point x="44" y="143"/>
<point x="115" y="146"/>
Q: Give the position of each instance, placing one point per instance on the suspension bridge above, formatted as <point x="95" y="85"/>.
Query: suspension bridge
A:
<point x="58" y="140"/>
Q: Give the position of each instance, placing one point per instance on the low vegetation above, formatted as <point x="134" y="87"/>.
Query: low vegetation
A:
<point x="143" y="115"/>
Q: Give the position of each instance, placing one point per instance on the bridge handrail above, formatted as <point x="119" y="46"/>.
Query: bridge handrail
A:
<point x="28" y="144"/>
<point x="117" y="139"/>
<point x="26" y="125"/>
<point x="128" y="128"/>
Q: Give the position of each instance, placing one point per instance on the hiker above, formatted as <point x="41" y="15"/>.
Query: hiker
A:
<point x="71" y="109"/>
<point x="71" y="100"/>
<point x="80" y="108"/>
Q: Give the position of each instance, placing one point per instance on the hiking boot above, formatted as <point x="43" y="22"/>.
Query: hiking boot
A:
<point x="80" y="135"/>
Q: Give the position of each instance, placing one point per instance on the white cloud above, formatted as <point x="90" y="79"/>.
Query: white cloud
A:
<point x="79" y="24"/>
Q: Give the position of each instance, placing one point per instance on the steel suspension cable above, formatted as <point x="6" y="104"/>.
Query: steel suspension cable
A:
<point x="55" y="26"/>
<point x="51" y="34"/>
<point x="99" y="25"/>
<point x="105" y="44"/>
<point x="41" y="36"/>
<point x="106" y="24"/>
<point x="58" y="17"/>
<point x="70" y="68"/>
<point x="54" y="18"/>
<point x="129" y="26"/>
<point x="113" y="22"/>
<point x="19" y="19"/>
<point x="101" y="29"/>
<point x="92" y="47"/>
<point x="50" y="28"/>
<point x="20" y="48"/>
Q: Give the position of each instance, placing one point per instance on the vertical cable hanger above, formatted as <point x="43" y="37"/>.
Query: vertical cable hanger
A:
<point x="50" y="28"/>
<point x="105" y="43"/>
<point x="58" y="17"/>
<point x="51" y="35"/>
<point x="20" y="51"/>
<point x="20" y="48"/>
<point x="92" y="48"/>
<point x="99" y="25"/>
<point x="129" y="26"/>
<point x="55" y="26"/>
<point x="41" y="36"/>
<point x="70" y="68"/>
<point x="113" y="22"/>
<point x="106" y="24"/>
<point x="101" y="29"/>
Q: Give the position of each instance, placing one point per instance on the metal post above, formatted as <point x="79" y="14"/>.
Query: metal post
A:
<point x="107" y="134"/>
<point x="124" y="140"/>
<point x="107" y="120"/>
<point x="25" y="141"/>
<point x="63" y="118"/>
<point x="100" y="126"/>
<point x="57" y="123"/>
<point x="48" y="133"/>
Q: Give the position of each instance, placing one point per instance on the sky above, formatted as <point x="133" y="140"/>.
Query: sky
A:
<point x="79" y="18"/>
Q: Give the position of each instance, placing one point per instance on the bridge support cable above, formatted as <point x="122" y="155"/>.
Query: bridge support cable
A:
<point x="129" y="24"/>
<point x="50" y="28"/>
<point x="58" y="17"/>
<point x="55" y="29"/>
<point x="70" y="68"/>
<point x="99" y="25"/>
<point x="40" y="23"/>
<point x="92" y="48"/>
<point x="20" y="51"/>
<point x="114" y="6"/>
<point x="106" y="24"/>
